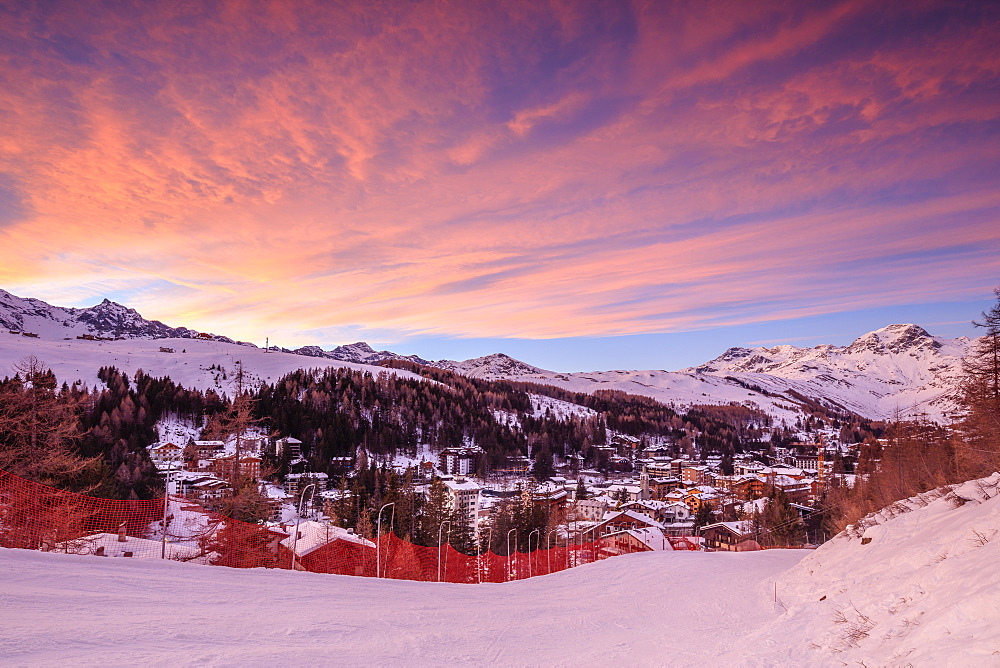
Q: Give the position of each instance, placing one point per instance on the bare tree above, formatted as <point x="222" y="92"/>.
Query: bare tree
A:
<point x="980" y="398"/>
<point x="39" y="429"/>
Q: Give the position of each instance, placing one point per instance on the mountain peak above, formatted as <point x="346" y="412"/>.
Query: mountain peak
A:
<point x="497" y="365"/>
<point x="894" y="339"/>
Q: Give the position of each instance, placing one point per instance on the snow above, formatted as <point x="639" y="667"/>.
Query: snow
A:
<point x="924" y="590"/>
<point x="650" y="608"/>
<point x="79" y="359"/>
<point x="558" y="409"/>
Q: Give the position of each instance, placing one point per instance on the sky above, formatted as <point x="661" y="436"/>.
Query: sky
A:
<point x="582" y="185"/>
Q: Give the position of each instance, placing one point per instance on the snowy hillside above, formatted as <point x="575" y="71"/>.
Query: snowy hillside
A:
<point x="900" y="369"/>
<point x="193" y="363"/>
<point x="107" y="319"/>
<point x="897" y="368"/>
<point x="630" y="610"/>
<point x="491" y="367"/>
<point x="916" y="584"/>
<point x="358" y="353"/>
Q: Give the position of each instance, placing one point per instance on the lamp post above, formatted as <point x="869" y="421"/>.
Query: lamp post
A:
<point x="509" y="571"/>
<point x="378" y="536"/>
<point x="537" y="540"/>
<point x="298" y="518"/>
<point x="440" y="527"/>
<point x="166" y="503"/>
<point x="548" y="544"/>
<point x="489" y="542"/>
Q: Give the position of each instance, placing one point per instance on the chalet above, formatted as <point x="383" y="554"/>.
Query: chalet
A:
<point x="623" y="520"/>
<point x="202" y="488"/>
<point x="121" y="545"/>
<point x="202" y="451"/>
<point x="295" y="483"/>
<point x="747" y="487"/>
<point x="648" y="539"/>
<point x="325" y="548"/>
<point x="225" y="467"/>
<point x="166" y="454"/>
<point x="729" y="536"/>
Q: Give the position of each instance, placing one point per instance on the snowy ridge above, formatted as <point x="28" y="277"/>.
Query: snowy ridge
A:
<point x="914" y="584"/>
<point x="492" y="367"/>
<point x="897" y="370"/>
<point x="358" y="353"/>
<point x="194" y="363"/>
<point x="107" y="319"/>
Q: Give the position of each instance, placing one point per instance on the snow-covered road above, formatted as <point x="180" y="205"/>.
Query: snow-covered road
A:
<point x="645" y="609"/>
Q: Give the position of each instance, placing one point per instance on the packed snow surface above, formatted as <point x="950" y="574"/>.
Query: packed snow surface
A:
<point x="916" y="584"/>
<point x="651" y="608"/>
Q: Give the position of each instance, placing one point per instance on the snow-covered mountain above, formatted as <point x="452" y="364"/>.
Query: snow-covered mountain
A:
<point x="491" y="367"/>
<point x="358" y="353"/>
<point x="108" y="319"/>
<point x="897" y="370"/>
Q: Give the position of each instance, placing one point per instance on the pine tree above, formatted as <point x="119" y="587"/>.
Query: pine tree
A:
<point x="980" y="398"/>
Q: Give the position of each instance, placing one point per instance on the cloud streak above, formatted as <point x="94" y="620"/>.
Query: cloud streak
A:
<point x="529" y="170"/>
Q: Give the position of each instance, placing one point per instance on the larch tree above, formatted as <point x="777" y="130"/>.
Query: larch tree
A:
<point x="980" y="398"/>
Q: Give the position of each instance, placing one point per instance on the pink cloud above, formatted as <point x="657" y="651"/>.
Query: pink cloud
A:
<point x="436" y="168"/>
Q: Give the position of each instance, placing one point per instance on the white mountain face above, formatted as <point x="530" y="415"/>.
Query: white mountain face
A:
<point x="491" y="367"/>
<point x="897" y="370"/>
<point x="108" y="319"/>
<point x="358" y="353"/>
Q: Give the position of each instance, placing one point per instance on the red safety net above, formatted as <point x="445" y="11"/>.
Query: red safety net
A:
<point x="37" y="517"/>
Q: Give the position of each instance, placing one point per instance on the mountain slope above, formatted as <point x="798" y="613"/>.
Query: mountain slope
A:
<point x="358" y="353"/>
<point x="897" y="369"/>
<point x="914" y="584"/>
<point x="107" y="319"/>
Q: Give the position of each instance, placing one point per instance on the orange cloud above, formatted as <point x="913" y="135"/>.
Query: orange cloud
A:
<point x="535" y="170"/>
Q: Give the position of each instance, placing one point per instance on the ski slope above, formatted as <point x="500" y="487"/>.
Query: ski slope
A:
<point x="916" y="584"/>
<point x="654" y="608"/>
<point x="195" y="364"/>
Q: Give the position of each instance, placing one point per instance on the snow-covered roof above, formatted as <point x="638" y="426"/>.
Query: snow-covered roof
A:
<point x="139" y="548"/>
<point x="742" y="528"/>
<point x="314" y="535"/>
<point x="651" y="537"/>
<point x="630" y="514"/>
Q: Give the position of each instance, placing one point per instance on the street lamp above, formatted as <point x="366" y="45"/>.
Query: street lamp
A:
<point x="537" y="539"/>
<point x="298" y="517"/>
<point x="166" y="501"/>
<point x="440" y="527"/>
<point x="378" y="536"/>
<point x="479" y="565"/>
<point x="509" y="571"/>
<point x="548" y="544"/>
